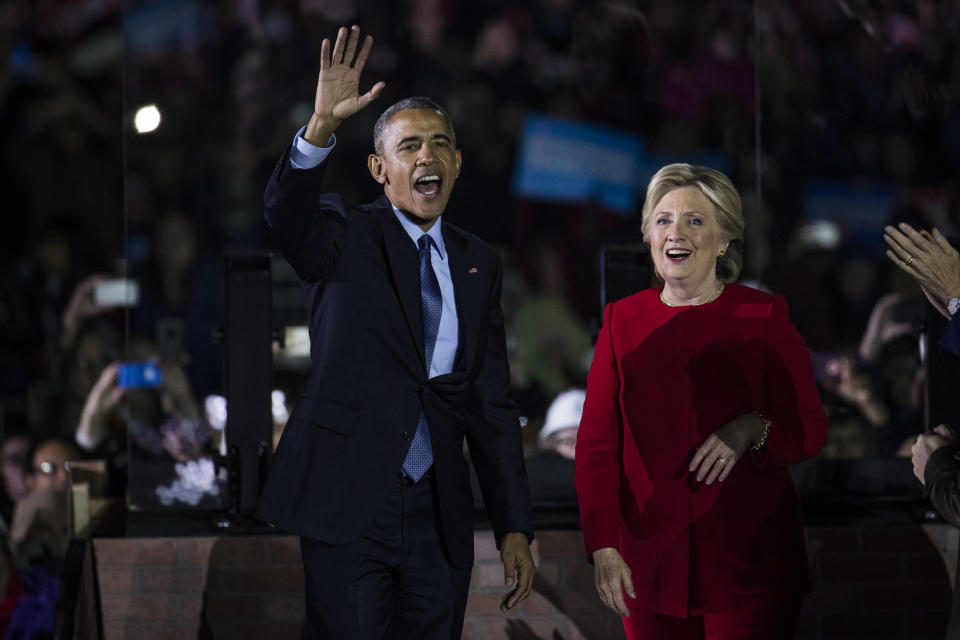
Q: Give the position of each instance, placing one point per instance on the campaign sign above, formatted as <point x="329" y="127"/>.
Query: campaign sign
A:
<point x="577" y="162"/>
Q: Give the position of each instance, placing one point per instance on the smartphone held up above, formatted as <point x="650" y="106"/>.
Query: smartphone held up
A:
<point x="116" y="292"/>
<point x="137" y="375"/>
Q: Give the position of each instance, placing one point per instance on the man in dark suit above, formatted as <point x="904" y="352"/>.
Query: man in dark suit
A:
<point x="409" y="358"/>
<point x="930" y="260"/>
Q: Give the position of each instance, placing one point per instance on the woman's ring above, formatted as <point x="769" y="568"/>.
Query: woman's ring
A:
<point x="722" y="461"/>
<point x="909" y="261"/>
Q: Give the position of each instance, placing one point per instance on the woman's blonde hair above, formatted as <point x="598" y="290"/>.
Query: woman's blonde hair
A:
<point x="719" y="190"/>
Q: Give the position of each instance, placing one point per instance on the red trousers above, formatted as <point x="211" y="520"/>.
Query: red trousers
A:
<point x="757" y="624"/>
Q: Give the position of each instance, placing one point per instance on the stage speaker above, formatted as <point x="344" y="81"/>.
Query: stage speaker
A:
<point x="624" y="270"/>
<point x="248" y="372"/>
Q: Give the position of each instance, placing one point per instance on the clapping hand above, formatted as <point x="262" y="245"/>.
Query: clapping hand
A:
<point x="929" y="258"/>
<point x="338" y="85"/>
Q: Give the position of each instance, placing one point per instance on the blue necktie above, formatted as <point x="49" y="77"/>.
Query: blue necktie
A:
<point x="420" y="455"/>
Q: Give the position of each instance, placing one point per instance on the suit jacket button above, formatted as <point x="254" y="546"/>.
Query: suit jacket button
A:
<point x="405" y="435"/>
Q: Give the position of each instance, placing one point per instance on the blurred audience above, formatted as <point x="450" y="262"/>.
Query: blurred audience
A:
<point x="860" y="98"/>
<point x="182" y="300"/>
<point x="550" y="469"/>
<point x="38" y="531"/>
<point x="553" y="342"/>
<point x="854" y="410"/>
<point x="889" y="354"/>
<point x="15" y="450"/>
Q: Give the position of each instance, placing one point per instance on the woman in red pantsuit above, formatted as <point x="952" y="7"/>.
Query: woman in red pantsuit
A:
<point x="700" y="394"/>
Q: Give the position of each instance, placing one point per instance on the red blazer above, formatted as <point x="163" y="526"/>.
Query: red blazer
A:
<point x="662" y="380"/>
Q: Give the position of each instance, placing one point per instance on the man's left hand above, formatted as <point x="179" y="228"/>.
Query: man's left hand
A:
<point x="926" y="444"/>
<point x="518" y="569"/>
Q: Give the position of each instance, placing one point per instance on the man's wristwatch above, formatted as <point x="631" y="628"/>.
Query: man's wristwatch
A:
<point x="953" y="306"/>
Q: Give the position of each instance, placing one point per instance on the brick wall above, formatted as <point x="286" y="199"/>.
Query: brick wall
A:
<point x="880" y="582"/>
<point x="237" y="588"/>
<point x="891" y="582"/>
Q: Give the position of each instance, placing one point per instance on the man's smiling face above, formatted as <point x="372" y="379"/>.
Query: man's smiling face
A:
<point x="418" y="164"/>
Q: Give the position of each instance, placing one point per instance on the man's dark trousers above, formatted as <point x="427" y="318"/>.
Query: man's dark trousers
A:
<point x="394" y="581"/>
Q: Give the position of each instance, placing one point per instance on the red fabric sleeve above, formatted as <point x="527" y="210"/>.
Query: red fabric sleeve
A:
<point x="598" y="457"/>
<point x="798" y="428"/>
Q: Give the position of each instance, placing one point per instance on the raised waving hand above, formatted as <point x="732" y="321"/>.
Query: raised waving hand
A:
<point x="338" y="84"/>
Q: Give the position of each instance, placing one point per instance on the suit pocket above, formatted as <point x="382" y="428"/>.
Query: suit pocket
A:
<point x="326" y="414"/>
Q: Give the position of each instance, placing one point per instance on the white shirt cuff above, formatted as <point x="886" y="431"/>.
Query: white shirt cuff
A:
<point x="304" y="155"/>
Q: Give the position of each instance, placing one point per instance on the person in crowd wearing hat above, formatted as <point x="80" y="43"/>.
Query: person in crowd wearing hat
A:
<point x="559" y="431"/>
<point x="550" y="469"/>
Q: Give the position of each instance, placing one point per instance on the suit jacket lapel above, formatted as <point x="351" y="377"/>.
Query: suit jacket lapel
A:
<point x="469" y="293"/>
<point x="404" y="263"/>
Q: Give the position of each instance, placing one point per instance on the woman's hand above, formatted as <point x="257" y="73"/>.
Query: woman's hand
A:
<point x="724" y="447"/>
<point x="612" y="577"/>
<point x="882" y="327"/>
<point x="81" y="306"/>
<point x="103" y="397"/>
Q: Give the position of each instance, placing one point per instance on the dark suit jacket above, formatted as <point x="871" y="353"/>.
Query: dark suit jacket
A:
<point x="942" y="486"/>
<point x="950" y="340"/>
<point x="346" y="440"/>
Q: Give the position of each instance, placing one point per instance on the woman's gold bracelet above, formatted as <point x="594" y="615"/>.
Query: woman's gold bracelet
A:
<point x="766" y="431"/>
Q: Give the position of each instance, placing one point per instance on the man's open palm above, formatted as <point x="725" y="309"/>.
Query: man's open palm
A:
<point x="338" y="86"/>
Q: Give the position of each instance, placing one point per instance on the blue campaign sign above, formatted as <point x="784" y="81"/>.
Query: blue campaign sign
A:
<point x="578" y="162"/>
<point x="860" y="208"/>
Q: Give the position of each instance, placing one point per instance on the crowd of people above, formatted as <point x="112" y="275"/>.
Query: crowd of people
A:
<point x="833" y="119"/>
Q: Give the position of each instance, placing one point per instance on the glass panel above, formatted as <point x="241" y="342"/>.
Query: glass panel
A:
<point x="859" y="105"/>
<point x="181" y="194"/>
<point x="859" y="111"/>
<point x="562" y="114"/>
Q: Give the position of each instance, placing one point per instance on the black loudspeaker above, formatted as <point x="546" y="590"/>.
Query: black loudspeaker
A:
<point x="624" y="270"/>
<point x="248" y="373"/>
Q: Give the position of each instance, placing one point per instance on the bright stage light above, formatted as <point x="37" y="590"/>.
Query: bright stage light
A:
<point x="147" y="119"/>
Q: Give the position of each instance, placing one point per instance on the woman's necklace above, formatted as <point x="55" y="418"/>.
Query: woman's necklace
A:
<point x="713" y="297"/>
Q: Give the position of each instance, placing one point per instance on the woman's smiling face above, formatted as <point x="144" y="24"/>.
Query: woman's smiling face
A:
<point x="685" y="238"/>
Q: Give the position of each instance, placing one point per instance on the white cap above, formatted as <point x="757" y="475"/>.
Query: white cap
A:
<point x="564" y="412"/>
